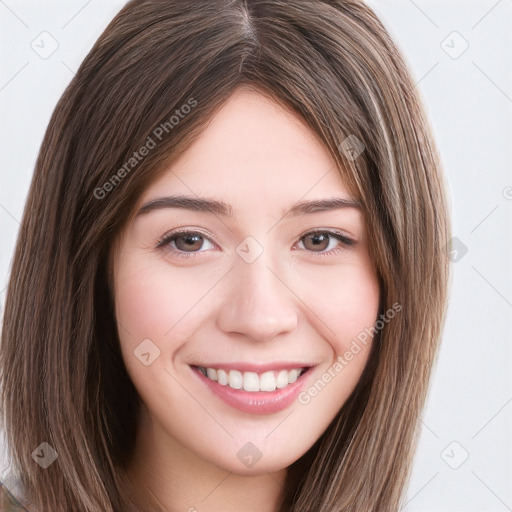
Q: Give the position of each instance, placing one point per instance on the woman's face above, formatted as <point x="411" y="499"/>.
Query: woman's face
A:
<point x="249" y="293"/>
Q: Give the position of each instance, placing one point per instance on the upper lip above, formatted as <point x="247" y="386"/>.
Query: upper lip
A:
<point x="255" y="367"/>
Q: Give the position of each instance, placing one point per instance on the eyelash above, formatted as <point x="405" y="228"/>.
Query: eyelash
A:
<point x="170" y="237"/>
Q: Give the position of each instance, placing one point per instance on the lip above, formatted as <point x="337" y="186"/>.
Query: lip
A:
<point x="254" y="367"/>
<point x="255" y="402"/>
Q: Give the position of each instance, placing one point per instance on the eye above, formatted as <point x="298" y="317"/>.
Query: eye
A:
<point x="183" y="242"/>
<point x="326" y="242"/>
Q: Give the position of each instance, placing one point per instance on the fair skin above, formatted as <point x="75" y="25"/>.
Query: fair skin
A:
<point x="290" y="304"/>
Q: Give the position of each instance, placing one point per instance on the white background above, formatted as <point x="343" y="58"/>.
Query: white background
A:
<point x="469" y="102"/>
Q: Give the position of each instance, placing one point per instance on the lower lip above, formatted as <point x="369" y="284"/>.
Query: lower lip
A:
<point x="259" y="402"/>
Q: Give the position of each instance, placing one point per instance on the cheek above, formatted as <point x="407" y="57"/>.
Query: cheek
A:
<point x="154" y="302"/>
<point x="345" y="314"/>
<point x="355" y="303"/>
<point x="142" y="309"/>
<point x="345" y="302"/>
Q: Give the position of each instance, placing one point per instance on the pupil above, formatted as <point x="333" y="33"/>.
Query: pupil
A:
<point x="189" y="241"/>
<point x="318" y="239"/>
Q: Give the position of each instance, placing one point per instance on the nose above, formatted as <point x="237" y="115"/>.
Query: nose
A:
<point x="259" y="303"/>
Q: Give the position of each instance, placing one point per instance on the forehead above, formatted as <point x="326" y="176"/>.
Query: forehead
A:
<point x="253" y="149"/>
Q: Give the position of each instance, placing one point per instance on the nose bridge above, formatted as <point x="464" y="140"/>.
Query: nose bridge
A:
<point x="258" y="304"/>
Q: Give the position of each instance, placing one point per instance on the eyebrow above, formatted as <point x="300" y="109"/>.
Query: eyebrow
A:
<point x="215" y="206"/>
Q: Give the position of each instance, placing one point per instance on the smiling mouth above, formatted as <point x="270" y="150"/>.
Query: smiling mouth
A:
<point x="267" y="381"/>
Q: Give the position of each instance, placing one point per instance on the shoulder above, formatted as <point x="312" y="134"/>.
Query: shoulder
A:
<point x="8" y="503"/>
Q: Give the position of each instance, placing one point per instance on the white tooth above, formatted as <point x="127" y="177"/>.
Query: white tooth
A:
<point x="222" y="377"/>
<point x="235" y="379"/>
<point x="211" y="373"/>
<point x="282" y="379"/>
<point x="293" y="375"/>
<point x="251" y="381"/>
<point x="267" y="381"/>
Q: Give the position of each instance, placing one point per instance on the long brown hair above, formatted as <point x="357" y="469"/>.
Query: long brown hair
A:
<point x="332" y="63"/>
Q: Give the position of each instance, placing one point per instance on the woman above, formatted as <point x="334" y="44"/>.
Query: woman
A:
<point x="230" y="278"/>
